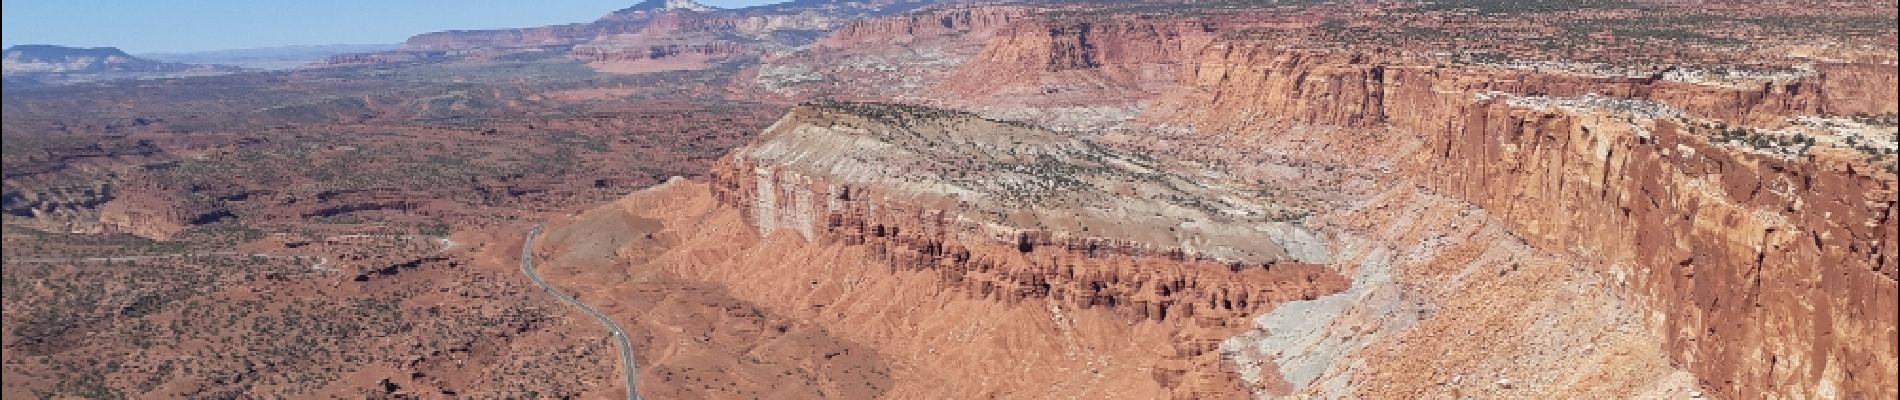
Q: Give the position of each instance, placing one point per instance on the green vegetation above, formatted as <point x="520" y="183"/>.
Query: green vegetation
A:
<point x="1793" y="145"/>
<point x="1886" y="120"/>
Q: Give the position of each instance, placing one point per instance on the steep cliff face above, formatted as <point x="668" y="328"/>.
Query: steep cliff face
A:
<point x="1236" y="84"/>
<point x="1857" y="88"/>
<point x="1049" y="55"/>
<point x="1762" y="272"/>
<point x="1765" y="275"/>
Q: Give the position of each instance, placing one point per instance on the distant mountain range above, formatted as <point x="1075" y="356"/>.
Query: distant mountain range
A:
<point x="30" y="65"/>
<point x="671" y="17"/>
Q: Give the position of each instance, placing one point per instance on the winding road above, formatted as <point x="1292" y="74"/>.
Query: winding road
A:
<point x="620" y="336"/>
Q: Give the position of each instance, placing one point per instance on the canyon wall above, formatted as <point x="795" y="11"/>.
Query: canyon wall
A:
<point x="1765" y="273"/>
<point x="1232" y="85"/>
<point x="1044" y="54"/>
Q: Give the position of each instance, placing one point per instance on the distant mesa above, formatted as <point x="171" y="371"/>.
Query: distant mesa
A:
<point x="670" y="17"/>
<point x="41" y="58"/>
<point x="49" y="64"/>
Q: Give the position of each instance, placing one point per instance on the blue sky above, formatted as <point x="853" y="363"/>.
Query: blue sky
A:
<point x="143" y="26"/>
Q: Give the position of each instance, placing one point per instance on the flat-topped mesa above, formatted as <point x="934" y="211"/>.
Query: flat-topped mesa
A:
<point x="1014" y="211"/>
<point x="1012" y="179"/>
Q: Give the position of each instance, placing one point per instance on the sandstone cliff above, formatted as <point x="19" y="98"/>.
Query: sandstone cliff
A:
<point x="1766" y="275"/>
<point x="1764" y="270"/>
<point x="1236" y="84"/>
<point x="1048" y="55"/>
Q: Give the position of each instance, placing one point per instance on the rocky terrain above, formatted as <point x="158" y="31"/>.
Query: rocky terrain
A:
<point x="1037" y="199"/>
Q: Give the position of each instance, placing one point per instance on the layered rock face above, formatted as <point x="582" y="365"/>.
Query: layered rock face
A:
<point x="1761" y="271"/>
<point x="1235" y="84"/>
<point x="1232" y="86"/>
<point x="1049" y="54"/>
<point x="932" y="196"/>
<point x="887" y="57"/>
<point x="546" y="35"/>
<point x="1098" y="265"/>
<point x="1013" y="183"/>
<point x="923" y="200"/>
<point x="1765" y="275"/>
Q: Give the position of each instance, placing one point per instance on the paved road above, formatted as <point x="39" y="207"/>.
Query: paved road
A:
<point x="620" y="336"/>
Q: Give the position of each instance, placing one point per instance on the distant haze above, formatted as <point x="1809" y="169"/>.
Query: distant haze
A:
<point x="205" y="25"/>
<point x="281" y="57"/>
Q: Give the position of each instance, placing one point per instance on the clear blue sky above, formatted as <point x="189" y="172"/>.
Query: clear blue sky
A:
<point x="144" y="26"/>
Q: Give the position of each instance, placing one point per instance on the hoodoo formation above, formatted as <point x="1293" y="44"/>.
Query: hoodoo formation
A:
<point x="1026" y="199"/>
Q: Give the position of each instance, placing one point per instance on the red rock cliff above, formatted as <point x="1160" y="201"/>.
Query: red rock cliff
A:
<point x="1235" y="84"/>
<point x="1124" y="51"/>
<point x="1768" y="274"/>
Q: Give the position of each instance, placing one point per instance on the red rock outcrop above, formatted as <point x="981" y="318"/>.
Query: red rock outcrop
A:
<point x="145" y="213"/>
<point x="1128" y="52"/>
<point x="1855" y="88"/>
